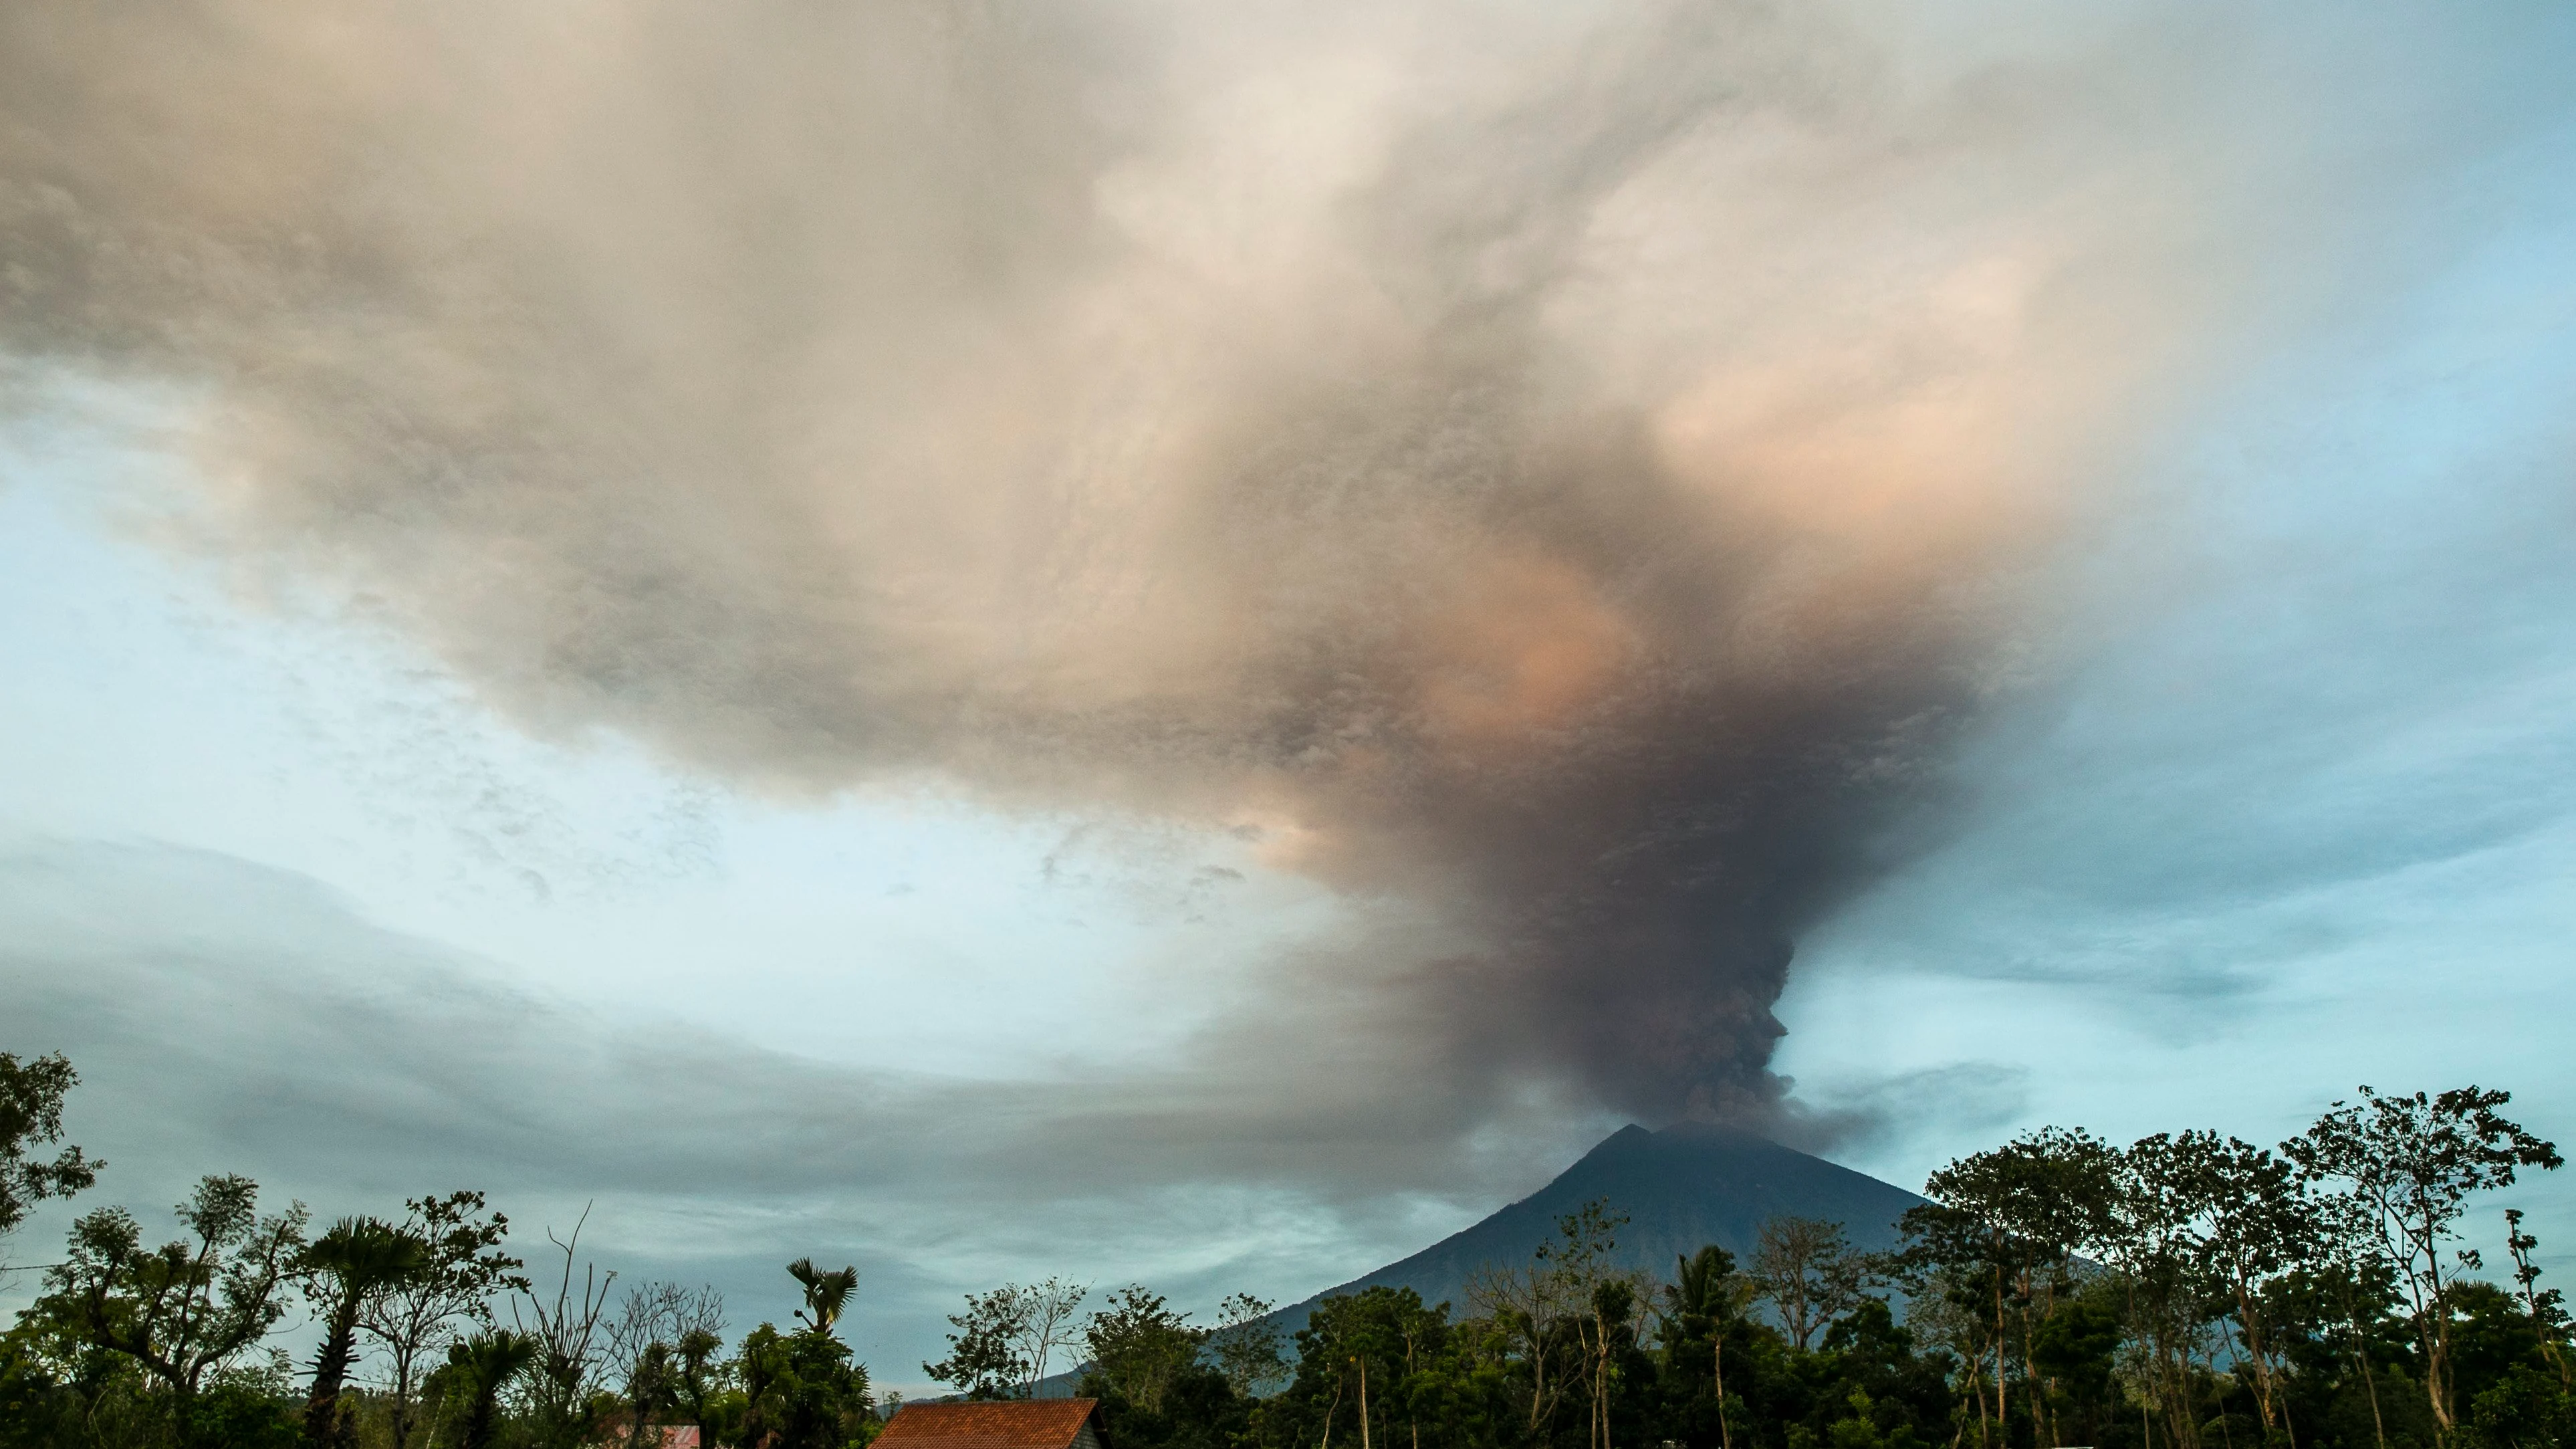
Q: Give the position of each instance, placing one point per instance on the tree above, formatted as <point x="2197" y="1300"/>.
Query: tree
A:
<point x="418" y="1317"/>
<point x="2155" y="1241"/>
<point x="827" y="1295"/>
<point x="2256" y="1223"/>
<point x="1594" y="1296"/>
<point x="1002" y="1342"/>
<point x="984" y="1354"/>
<point x="802" y="1390"/>
<point x="566" y="1330"/>
<point x="2016" y="1215"/>
<point x="1139" y="1346"/>
<point x="188" y="1307"/>
<point x="1366" y="1360"/>
<point x="2546" y="1307"/>
<point x="1620" y="1302"/>
<point x="696" y="1378"/>
<point x="1809" y="1273"/>
<point x="2344" y="1291"/>
<point x="31" y="1115"/>
<point x="344" y="1270"/>
<point x="488" y="1362"/>
<point x="1704" y="1298"/>
<point x="1246" y="1344"/>
<point x="1532" y="1305"/>
<point x="641" y="1342"/>
<point x="1047" y="1324"/>
<point x="2075" y="1354"/>
<point x="2413" y="1162"/>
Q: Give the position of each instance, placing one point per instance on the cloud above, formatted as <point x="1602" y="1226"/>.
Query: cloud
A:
<point x="1963" y="1097"/>
<point x="253" y="1007"/>
<point x="1565" y="477"/>
<point x="231" y="1017"/>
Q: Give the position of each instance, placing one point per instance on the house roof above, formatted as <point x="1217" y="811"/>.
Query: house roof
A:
<point x="665" y="1436"/>
<point x="1016" y="1424"/>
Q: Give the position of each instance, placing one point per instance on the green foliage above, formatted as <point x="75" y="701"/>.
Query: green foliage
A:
<point x="182" y="1310"/>
<point x="410" y="1319"/>
<point x="2411" y="1163"/>
<point x="2527" y="1408"/>
<point x="985" y="1360"/>
<point x="31" y="1115"/>
<point x="1380" y="1368"/>
<point x="699" y="1380"/>
<point x="358" y="1261"/>
<point x="827" y="1295"/>
<point x="2187" y="1291"/>
<point x="801" y="1390"/>
<point x="482" y="1367"/>
<point x="1245" y="1344"/>
<point x="1140" y="1348"/>
<point x="1809" y="1273"/>
<point x="35" y="1411"/>
<point x="238" y="1414"/>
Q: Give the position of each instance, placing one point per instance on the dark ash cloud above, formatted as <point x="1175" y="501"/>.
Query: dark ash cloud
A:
<point x="1570" y="487"/>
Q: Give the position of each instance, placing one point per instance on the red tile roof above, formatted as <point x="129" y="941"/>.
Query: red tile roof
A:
<point x="665" y="1436"/>
<point x="1021" y="1424"/>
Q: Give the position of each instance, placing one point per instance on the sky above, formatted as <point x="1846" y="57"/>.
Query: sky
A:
<point x="1192" y="647"/>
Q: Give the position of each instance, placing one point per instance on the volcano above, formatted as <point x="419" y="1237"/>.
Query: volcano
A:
<point x="1688" y="1185"/>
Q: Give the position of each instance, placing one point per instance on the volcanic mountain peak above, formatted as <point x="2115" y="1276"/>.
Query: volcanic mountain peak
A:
<point x="1691" y="1184"/>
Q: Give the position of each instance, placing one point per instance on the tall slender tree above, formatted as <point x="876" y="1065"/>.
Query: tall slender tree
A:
<point x="2545" y="1306"/>
<point x="2257" y="1224"/>
<point x="2156" y="1245"/>
<point x="2017" y="1215"/>
<point x="1140" y="1346"/>
<point x="1704" y="1298"/>
<point x="346" y="1269"/>
<point x="641" y="1341"/>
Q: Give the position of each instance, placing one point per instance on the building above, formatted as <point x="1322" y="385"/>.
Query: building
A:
<point x="1012" y="1424"/>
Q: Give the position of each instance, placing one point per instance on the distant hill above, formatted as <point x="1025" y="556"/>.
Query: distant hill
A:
<point x="1687" y="1185"/>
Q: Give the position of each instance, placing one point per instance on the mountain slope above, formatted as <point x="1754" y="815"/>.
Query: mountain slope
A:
<point x="1687" y="1185"/>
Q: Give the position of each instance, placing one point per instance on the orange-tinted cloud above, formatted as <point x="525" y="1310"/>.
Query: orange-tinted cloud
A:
<point x="1569" y="472"/>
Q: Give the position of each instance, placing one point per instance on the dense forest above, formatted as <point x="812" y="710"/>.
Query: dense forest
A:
<point x="2185" y="1291"/>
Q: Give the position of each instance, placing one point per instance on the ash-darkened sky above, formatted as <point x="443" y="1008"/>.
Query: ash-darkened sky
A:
<point x="1191" y="642"/>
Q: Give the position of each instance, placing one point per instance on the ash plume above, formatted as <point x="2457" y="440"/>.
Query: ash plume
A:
<point x="1563" y="475"/>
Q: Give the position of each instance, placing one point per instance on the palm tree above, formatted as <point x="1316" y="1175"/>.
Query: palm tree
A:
<point x="1706" y="1289"/>
<point x="344" y="1270"/>
<point x="488" y="1361"/>
<point x="826" y="1294"/>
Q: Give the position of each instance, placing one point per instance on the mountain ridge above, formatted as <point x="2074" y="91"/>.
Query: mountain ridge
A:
<point x="1687" y="1185"/>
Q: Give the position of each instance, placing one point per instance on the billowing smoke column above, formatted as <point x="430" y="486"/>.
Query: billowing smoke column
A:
<point x="1552" y="472"/>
